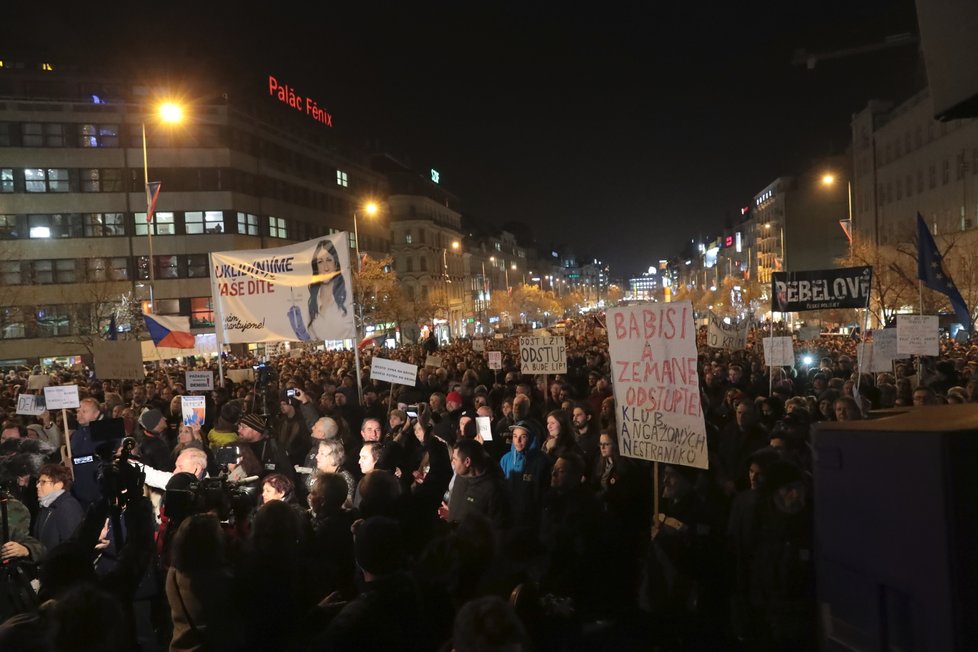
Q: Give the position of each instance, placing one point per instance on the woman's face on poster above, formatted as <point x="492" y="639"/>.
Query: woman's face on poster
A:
<point x="325" y="263"/>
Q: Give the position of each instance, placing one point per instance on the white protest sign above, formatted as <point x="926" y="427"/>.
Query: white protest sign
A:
<point x="884" y="350"/>
<point x="918" y="335"/>
<point x="392" y="371"/>
<point x="57" y="397"/>
<point x="30" y="404"/>
<point x="119" y="359"/>
<point x="730" y="337"/>
<point x="38" y="381"/>
<point x="485" y="427"/>
<point x="495" y="360"/>
<point x="193" y="409"/>
<point x="240" y="375"/>
<point x="200" y="381"/>
<point x="543" y="354"/>
<point x="432" y="361"/>
<point x="779" y="352"/>
<point x="864" y="356"/>
<point x="479" y="345"/>
<point x="657" y="396"/>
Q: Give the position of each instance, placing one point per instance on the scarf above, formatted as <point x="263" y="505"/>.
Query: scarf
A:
<point x="50" y="498"/>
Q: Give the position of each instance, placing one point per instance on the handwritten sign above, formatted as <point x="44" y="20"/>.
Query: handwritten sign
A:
<point x="432" y="361"/>
<point x="543" y="354"/>
<point x="884" y="349"/>
<point x="30" y="404"/>
<point x="918" y="335"/>
<point x="729" y="337"/>
<point x="57" y="397"/>
<point x="240" y="375"/>
<point x="653" y="357"/>
<point x="392" y="371"/>
<point x="779" y="352"/>
<point x="193" y="409"/>
<point x="200" y="381"/>
<point x="478" y="345"/>
<point x="484" y="424"/>
<point x="119" y="359"/>
<point x="495" y="360"/>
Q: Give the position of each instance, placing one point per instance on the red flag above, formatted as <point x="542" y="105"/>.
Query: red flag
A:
<point x="153" y="190"/>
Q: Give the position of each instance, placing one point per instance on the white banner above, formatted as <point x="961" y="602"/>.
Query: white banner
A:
<point x="918" y="335"/>
<point x="298" y="292"/>
<point x="200" y="381"/>
<point x="779" y="352"/>
<point x="657" y="395"/>
<point x="392" y="371"/>
<point x="543" y="355"/>
<point x="57" y="397"/>
<point x="118" y="360"/>
<point x="729" y="337"/>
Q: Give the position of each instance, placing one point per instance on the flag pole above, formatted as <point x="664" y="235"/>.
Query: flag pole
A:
<point x="149" y="220"/>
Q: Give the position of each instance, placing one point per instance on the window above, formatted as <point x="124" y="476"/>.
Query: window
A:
<point x="277" y="228"/>
<point x="53" y="320"/>
<point x="201" y="312"/>
<point x="407" y="238"/>
<point x="498" y="246"/>
<point x="101" y="180"/>
<point x="351" y="240"/>
<point x="163" y="224"/>
<point x="423" y="261"/>
<point x="197" y="222"/>
<point x="197" y="266"/>
<point x="13" y="323"/>
<point x="43" y="134"/>
<point x="108" y="269"/>
<point x="8" y="226"/>
<point x="98" y="225"/>
<point x="46" y="180"/>
<point x="53" y="271"/>
<point x="946" y="172"/>
<point x="168" y="306"/>
<point x="68" y="225"/>
<point x="167" y="267"/>
<point x="10" y="272"/>
<point x="247" y="224"/>
<point x="342" y="179"/>
<point x="98" y="135"/>
<point x="410" y="264"/>
<point x="6" y="180"/>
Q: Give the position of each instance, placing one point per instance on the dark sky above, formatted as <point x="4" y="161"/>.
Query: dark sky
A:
<point x="623" y="128"/>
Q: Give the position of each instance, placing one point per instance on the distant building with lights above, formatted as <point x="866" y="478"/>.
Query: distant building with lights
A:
<point x="645" y="287"/>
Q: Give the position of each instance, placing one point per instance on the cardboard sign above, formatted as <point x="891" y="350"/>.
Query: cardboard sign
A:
<point x="392" y="371"/>
<point x="58" y="397"/>
<point x="240" y="375"/>
<point x="918" y="335"/>
<point x="495" y="360"/>
<point x="30" y="404"/>
<point x="432" y="361"/>
<point x="200" y="381"/>
<point x="543" y="354"/>
<point x="729" y="337"/>
<point x="484" y="425"/>
<point x="193" y="409"/>
<point x="884" y="349"/>
<point x="119" y="359"/>
<point x="38" y="381"/>
<point x="657" y="395"/>
<point x="479" y="345"/>
<point x="779" y="352"/>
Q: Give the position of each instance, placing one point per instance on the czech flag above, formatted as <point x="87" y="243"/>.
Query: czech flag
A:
<point x="173" y="332"/>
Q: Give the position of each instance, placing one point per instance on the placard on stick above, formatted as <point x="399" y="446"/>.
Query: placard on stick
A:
<point x="393" y="371"/>
<point x="543" y="354"/>
<point x="779" y="352"/>
<point x="495" y="360"/>
<point x="30" y="404"/>
<point x="200" y="381"/>
<point x="918" y="335"/>
<point x="193" y="409"/>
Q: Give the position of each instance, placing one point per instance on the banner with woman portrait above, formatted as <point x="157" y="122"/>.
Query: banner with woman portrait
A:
<point x="297" y="292"/>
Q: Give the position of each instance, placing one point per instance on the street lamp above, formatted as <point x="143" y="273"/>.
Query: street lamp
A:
<point x="828" y="180"/>
<point x="171" y="113"/>
<point x="370" y="208"/>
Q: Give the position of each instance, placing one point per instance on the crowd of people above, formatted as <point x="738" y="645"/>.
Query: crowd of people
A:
<point x="298" y="516"/>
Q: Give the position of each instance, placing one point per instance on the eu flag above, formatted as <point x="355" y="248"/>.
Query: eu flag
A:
<point x="930" y="270"/>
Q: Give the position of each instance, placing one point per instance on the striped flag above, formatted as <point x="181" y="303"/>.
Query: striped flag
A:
<point x="153" y="192"/>
<point x="173" y="332"/>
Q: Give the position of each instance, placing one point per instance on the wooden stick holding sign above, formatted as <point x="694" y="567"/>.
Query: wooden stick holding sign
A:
<point x="63" y="397"/>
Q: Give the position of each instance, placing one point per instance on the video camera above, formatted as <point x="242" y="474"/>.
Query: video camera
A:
<point x="228" y="499"/>
<point x="120" y="481"/>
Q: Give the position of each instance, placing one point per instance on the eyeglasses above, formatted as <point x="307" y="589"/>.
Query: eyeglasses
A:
<point x="45" y="482"/>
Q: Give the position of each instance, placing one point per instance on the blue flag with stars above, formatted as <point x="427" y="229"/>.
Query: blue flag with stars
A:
<point x="930" y="270"/>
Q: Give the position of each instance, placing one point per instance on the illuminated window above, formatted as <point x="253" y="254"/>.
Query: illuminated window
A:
<point x="247" y="224"/>
<point x="6" y="180"/>
<point x="167" y="267"/>
<point x="90" y="135"/>
<point x="163" y="224"/>
<point x="8" y="226"/>
<point x="68" y="225"/>
<point x="43" y="134"/>
<point x="108" y="269"/>
<point x="201" y="312"/>
<point x="13" y="323"/>
<point x="342" y="179"/>
<point x="197" y="222"/>
<point x="101" y="180"/>
<point x="277" y="227"/>
<point x="46" y="180"/>
<point x="407" y="238"/>
<point x="98" y="225"/>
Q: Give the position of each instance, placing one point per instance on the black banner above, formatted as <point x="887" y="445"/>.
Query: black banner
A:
<point x="827" y="288"/>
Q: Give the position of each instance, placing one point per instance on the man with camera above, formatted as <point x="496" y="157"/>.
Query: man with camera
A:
<point x="252" y="429"/>
<point x="291" y="426"/>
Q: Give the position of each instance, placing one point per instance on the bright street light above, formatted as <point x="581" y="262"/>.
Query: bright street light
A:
<point x="171" y="112"/>
<point x="828" y="179"/>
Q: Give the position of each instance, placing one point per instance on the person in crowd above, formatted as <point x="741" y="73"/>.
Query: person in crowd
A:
<point x="329" y="459"/>
<point x="586" y="431"/>
<point x="560" y="438"/>
<point x="477" y="487"/>
<point x="252" y="430"/>
<point x="527" y="475"/>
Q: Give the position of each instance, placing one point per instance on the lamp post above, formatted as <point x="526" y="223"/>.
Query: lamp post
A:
<point x="172" y="113"/>
<point x="370" y="208"/>
<point x="829" y="180"/>
<point x="485" y="297"/>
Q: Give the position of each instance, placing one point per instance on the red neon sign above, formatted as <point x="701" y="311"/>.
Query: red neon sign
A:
<point x="287" y="95"/>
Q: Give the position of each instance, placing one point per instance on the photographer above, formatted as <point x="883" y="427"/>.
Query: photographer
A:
<point x="252" y="430"/>
<point x="290" y="428"/>
<point x="84" y="451"/>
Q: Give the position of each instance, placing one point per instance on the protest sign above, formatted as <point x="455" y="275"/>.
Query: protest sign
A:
<point x="193" y="409"/>
<point x="118" y="359"/>
<point x="432" y="361"/>
<point x="478" y="345"/>
<point x="57" y="397"/>
<point x="392" y="371"/>
<point x="38" y="381"/>
<point x="200" y="381"/>
<point x="495" y="360"/>
<point x="656" y="386"/>
<point x="884" y="349"/>
<point x="484" y="424"/>
<point x="819" y="289"/>
<point x="918" y="335"/>
<point x="240" y="375"/>
<point x="779" y="352"/>
<point x="729" y="337"/>
<point x="543" y="354"/>
<point x="30" y="404"/>
<point x="809" y="333"/>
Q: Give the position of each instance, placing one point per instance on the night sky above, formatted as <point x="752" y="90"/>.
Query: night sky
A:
<point x="621" y="129"/>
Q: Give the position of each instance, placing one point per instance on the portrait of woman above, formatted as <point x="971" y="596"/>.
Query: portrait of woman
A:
<point x="330" y="315"/>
